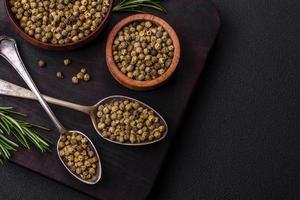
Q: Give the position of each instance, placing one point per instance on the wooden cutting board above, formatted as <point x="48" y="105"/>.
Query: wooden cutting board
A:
<point x="128" y="172"/>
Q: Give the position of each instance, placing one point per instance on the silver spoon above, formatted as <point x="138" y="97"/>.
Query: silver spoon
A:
<point x="10" y="89"/>
<point x="9" y="51"/>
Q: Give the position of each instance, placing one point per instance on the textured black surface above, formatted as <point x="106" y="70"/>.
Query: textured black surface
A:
<point x="241" y="140"/>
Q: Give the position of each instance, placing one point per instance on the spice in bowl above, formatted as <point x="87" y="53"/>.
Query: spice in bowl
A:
<point x="59" y="21"/>
<point x="78" y="155"/>
<point x="143" y="51"/>
<point x="127" y="121"/>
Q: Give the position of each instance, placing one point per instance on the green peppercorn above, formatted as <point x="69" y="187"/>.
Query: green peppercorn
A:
<point x="126" y="121"/>
<point x="59" y="75"/>
<point x="83" y="70"/>
<point x="67" y="62"/>
<point x="86" y="77"/>
<point x="78" y="155"/>
<point x="143" y="51"/>
<point x="41" y="63"/>
<point x="75" y="80"/>
<point x="80" y="76"/>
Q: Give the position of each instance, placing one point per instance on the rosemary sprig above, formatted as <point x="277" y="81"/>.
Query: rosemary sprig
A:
<point x="22" y="131"/>
<point x="136" y="5"/>
<point x="6" y="147"/>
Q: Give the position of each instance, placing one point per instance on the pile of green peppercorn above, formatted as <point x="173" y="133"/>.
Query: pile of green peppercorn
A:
<point x="82" y="75"/>
<point x="143" y="51"/>
<point x="78" y="155"/>
<point x="59" y="21"/>
<point x="126" y="121"/>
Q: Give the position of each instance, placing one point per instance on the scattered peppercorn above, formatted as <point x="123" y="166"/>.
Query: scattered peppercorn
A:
<point x="41" y="63"/>
<point x="86" y="77"/>
<point x="127" y="121"/>
<point x="59" y="21"/>
<point x="80" y="75"/>
<point x="143" y="51"/>
<point x="67" y="62"/>
<point x="83" y="70"/>
<point x="59" y="75"/>
<point x="78" y="155"/>
<point x="75" y="80"/>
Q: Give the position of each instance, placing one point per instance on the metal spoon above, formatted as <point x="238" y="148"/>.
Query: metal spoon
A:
<point x="9" y="51"/>
<point x="10" y="89"/>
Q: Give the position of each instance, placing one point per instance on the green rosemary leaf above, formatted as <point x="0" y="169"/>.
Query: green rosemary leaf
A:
<point x="7" y="124"/>
<point x="5" y="153"/>
<point x="6" y="108"/>
<point x="158" y="5"/>
<point x="16" y="113"/>
<point x="135" y="2"/>
<point x="5" y="128"/>
<point x="20" y="137"/>
<point x="135" y="5"/>
<point x="22" y="131"/>
<point x="36" y="139"/>
<point x="130" y="6"/>
<point x="15" y="124"/>
<point x="9" y="142"/>
<point x="33" y="125"/>
<point x="7" y="146"/>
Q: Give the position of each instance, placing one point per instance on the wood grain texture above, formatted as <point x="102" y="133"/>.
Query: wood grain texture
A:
<point x="50" y="46"/>
<point x="128" y="172"/>
<point x="135" y="84"/>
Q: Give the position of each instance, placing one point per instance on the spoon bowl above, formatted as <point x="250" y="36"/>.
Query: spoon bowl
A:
<point x="93" y="115"/>
<point x="98" y="175"/>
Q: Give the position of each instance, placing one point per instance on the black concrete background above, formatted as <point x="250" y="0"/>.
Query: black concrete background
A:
<point x="240" y="138"/>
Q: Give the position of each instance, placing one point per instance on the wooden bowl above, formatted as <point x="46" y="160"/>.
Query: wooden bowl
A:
<point x="135" y="84"/>
<point x="50" y="46"/>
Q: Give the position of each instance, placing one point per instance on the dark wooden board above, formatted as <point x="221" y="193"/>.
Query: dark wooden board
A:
<point x="128" y="172"/>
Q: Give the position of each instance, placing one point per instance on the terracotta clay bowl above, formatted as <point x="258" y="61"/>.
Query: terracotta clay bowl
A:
<point x="50" y="46"/>
<point x="135" y="84"/>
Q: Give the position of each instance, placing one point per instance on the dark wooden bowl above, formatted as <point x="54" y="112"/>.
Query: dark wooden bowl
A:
<point x="135" y="84"/>
<point x="50" y="46"/>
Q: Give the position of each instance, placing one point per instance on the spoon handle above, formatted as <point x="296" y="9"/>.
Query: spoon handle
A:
<point x="10" y="89"/>
<point x="9" y="51"/>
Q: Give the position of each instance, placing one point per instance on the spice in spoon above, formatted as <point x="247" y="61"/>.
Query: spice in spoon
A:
<point x="78" y="155"/>
<point x="127" y="121"/>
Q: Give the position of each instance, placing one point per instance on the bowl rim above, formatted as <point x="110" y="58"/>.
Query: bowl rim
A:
<point x="51" y="46"/>
<point x="135" y="84"/>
